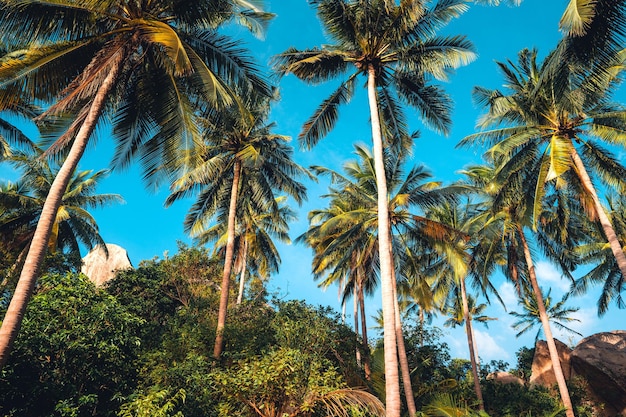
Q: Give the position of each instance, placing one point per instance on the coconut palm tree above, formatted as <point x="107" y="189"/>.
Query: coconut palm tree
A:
<point x="512" y="203"/>
<point x="557" y="126"/>
<point x="453" y="266"/>
<point x="593" y="31"/>
<point x="395" y="47"/>
<point x="242" y="154"/>
<point x="147" y="64"/>
<point x="455" y="311"/>
<point x="254" y="241"/>
<point x="558" y="314"/>
<point x="345" y="253"/>
<point x="345" y="236"/>
<point x="21" y="204"/>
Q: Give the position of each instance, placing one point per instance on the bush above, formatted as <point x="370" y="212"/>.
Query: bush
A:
<point x="75" y="355"/>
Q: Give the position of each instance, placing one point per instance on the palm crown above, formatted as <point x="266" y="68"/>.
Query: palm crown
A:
<point x="21" y="204"/>
<point x="168" y="56"/>
<point x="546" y="124"/>
<point x="398" y="42"/>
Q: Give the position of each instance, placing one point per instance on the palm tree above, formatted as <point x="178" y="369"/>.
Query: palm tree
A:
<point x="146" y="63"/>
<point x="455" y="311"/>
<point x="558" y="314"/>
<point x="556" y="126"/>
<point x="345" y="251"/>
<point x="242" y="155"/>
<point x="255" y="250"/>
<point x="512" y="203"/>
<point x="21" y="205"/>
<point x="593" y="31"/>
<point x="450" y="270"/>
<point x="395" y="47"/>
<point x="345" y="237"/>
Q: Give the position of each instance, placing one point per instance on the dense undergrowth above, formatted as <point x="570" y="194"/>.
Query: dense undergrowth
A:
<point x="141" y="346"/>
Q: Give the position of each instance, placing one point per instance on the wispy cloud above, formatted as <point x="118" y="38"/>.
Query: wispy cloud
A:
<point x="508" y="294"/>
<point x="489" y="348"/>
<point x="548" y="276"/>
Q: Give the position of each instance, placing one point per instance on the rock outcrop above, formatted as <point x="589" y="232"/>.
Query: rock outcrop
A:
<point x="505" y="378"/>
<point x="542" y="371"/>
<point x="601" y="360"/>
<point x="101" y="268"/>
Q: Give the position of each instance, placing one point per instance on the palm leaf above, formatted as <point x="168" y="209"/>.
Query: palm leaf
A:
<point x="326" y="115"/>
<point x="578" y="16"/>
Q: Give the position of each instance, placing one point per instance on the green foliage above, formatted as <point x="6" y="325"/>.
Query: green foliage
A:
<point x="286" y="382"/>
<point x="159" y="289"/>
<point x="429" y="359"/>
<point x="446" y="405"/>
<point x="317" y="331"/>
<point x="76" y="352"/>
<point x="525" y="357"/>
<point x="249" y="330"/>
<point x="154" y="404"/>
<point x="516" y="400"/>
<point x="143" y="347"/>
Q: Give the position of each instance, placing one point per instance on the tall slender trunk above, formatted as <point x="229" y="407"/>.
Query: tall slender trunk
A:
<point x="242" y="275"/>
<point x="609" y="231"/>
<point x="37" y="251"/>
<point x="366" y="346"/>
<point x="543" y="316"/>
<point x="355" y="306"/>
<point x="470" y="342"/>
<point x="392" y="380"/>
<point x="404" y="362"/>
<point x="228" y="262"/>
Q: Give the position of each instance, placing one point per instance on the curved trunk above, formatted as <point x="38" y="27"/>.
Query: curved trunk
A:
<point x="607" y="227"/>
<point x="404" y="362"/>
<point x="392" y="381"/>
<point x="228" y="262"/>
<point x="470" y="342"/>
<point x="543" y="316"/>
<point x="242" y="275"/>
<point x="37" y="251"/>
<point x="366" y="346"/>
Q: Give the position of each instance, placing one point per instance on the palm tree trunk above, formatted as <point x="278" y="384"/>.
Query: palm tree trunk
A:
<point x="404" y="362"/>
<point x="392" y="381"/>
<point x="37" y="251"/>
<point x="543" y="316"/>
<point x="609" y="231"/>
<point x="356" y="324"/>
<point x="228" y="262"/>
<point x="470" y="342"/>
<point x="366" y="346"/>
<point x="242" y="275"/>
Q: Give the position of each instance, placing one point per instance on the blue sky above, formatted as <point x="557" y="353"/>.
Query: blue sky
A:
<point x="147" y="230"/>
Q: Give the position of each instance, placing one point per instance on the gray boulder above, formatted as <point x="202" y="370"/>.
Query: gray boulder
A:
<point x="601" y="360"/>
<point x="542" y="371"/>
<point x="505" y="378"/>
<point x="101" y="268"/>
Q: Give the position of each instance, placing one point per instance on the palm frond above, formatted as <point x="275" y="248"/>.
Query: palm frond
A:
<point x="326" y="115"/>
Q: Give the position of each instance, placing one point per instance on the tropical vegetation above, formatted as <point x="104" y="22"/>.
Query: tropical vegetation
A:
<point x="168" y="84"/>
